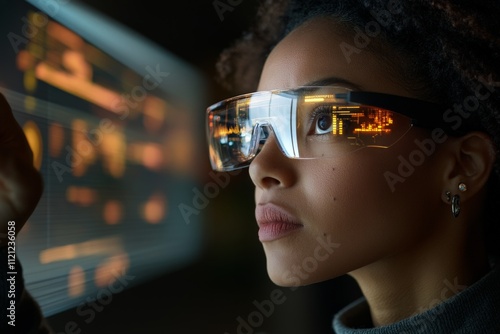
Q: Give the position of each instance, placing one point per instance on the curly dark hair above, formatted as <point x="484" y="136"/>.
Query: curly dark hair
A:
<point x="451" y="51"/>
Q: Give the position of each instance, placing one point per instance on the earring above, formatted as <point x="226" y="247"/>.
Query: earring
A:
<point x="455" y="205"/>
<point x="462" y="187"/>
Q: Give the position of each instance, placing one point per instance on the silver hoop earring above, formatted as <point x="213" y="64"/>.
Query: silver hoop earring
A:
<point x="455" y="205"/>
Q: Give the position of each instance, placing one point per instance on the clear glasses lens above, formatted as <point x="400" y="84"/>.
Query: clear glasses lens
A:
<point x="309" y="122"/>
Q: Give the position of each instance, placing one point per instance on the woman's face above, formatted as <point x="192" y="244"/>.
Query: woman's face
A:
<point x="327" y="217"/>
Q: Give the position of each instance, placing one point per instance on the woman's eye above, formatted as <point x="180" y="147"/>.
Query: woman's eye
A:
<point x="323" y="124"/>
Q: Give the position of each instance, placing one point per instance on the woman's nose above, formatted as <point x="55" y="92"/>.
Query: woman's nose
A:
<point x="271" y="168"/>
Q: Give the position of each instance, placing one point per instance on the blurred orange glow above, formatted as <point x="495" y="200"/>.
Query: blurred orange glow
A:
<point x="104" y="246"/>
<point x="29" y="81"/>
<point x="179" y="148"/>
<point x="113" y="149"/>
<point x="87" y="90"/>
<point x="34" y="137"/>
<point x="66" y="36"/>
<point x="148" y="154"/>
<point x="112" y="212"/>
<point x="154" y="113"/>
<point x="152" y="156"/>
<point x="154" y="210"/>
<point x="25" y="60"/>
<point x="56" y="139"/>
<point x="111" y="269"/>
<point x="84" y="153"/>
<point x="82" y="196"/>
<point x="76" y="281"/>
<point x="75" y="62"/>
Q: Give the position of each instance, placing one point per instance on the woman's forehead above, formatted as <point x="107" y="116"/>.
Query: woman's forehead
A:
<point x="316" y="50"/>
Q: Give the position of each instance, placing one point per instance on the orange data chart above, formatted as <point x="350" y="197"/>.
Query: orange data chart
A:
<point x="117" y="143"/>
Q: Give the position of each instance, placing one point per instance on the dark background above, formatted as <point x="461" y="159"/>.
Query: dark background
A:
<point x="210" y="295"/>
<point x="192" y="30"/>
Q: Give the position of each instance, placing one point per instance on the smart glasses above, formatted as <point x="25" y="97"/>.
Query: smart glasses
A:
<point x="311" y="122"/>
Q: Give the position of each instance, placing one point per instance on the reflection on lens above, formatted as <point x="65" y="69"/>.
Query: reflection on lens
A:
<point x="308" y="122"/>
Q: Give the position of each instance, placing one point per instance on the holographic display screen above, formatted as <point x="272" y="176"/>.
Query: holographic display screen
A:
<point x="118" y="155"/>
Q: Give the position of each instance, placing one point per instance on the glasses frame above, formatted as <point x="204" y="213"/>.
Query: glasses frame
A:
<point x="423" y="114"/>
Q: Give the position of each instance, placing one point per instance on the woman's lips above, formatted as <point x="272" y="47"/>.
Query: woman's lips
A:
<point x="274" y="222"/>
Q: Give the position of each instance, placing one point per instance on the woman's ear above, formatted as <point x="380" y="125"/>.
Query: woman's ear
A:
<point x="473" y="158"/>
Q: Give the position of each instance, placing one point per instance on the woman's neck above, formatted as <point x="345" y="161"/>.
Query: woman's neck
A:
<point x="416" y="280"/>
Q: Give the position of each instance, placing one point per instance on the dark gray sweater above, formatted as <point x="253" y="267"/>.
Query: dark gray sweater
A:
<point x="475" y="309"/>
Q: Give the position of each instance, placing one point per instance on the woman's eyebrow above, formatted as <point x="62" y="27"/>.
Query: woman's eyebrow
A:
<point x="330" y="81"/>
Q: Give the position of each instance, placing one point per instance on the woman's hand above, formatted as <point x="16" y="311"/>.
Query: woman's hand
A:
<point x="20" y="183"/>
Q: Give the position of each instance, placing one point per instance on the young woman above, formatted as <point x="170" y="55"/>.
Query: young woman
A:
<point x="372" y="143"/>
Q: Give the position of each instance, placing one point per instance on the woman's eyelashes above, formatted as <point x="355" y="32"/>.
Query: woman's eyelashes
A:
<point x="321" y="119"/>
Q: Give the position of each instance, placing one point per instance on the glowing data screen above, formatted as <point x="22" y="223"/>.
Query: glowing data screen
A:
<point x="117" y="142"/>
